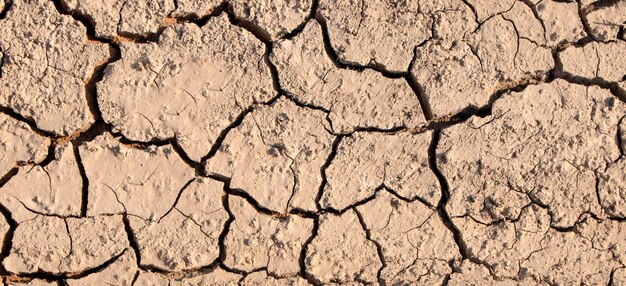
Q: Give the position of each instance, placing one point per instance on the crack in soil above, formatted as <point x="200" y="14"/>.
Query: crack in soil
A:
<point x="436" y="124"/>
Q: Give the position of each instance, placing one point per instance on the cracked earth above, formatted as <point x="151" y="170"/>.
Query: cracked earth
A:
<point x="295" y="142"/>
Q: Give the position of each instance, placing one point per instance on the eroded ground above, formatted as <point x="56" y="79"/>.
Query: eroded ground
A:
<point x="295" y="142"/>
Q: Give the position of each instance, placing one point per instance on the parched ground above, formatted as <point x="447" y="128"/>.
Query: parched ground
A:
<point x="313" y="142"/>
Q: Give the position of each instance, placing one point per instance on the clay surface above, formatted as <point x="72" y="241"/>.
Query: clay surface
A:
<point x="365" y="162"/>
<point x="44" y="75"/>
<point x="302" y="142"/>
<point x="141" y="182"/>
<point x="255" y="241"/>
<point x="123" y="17"/>
<point x="200" y="84"/>
<point x="353" y="99"/>
<point x="272" y="19"/>
<point x="554" y="149"/>
<point x="276" y="155"/>
<point x="341" y="251"/>
<point x="54" y="189"/>
<point x="187" y="236"/>
<point x="20" y="145"/>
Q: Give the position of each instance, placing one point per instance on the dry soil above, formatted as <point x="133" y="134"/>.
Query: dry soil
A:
<point x="313" y="142"/>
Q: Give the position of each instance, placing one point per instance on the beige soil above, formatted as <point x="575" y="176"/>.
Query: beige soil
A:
<point x="312" y="142"/>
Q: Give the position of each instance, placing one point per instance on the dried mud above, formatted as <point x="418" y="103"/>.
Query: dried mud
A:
<point x="313" y="142"/>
